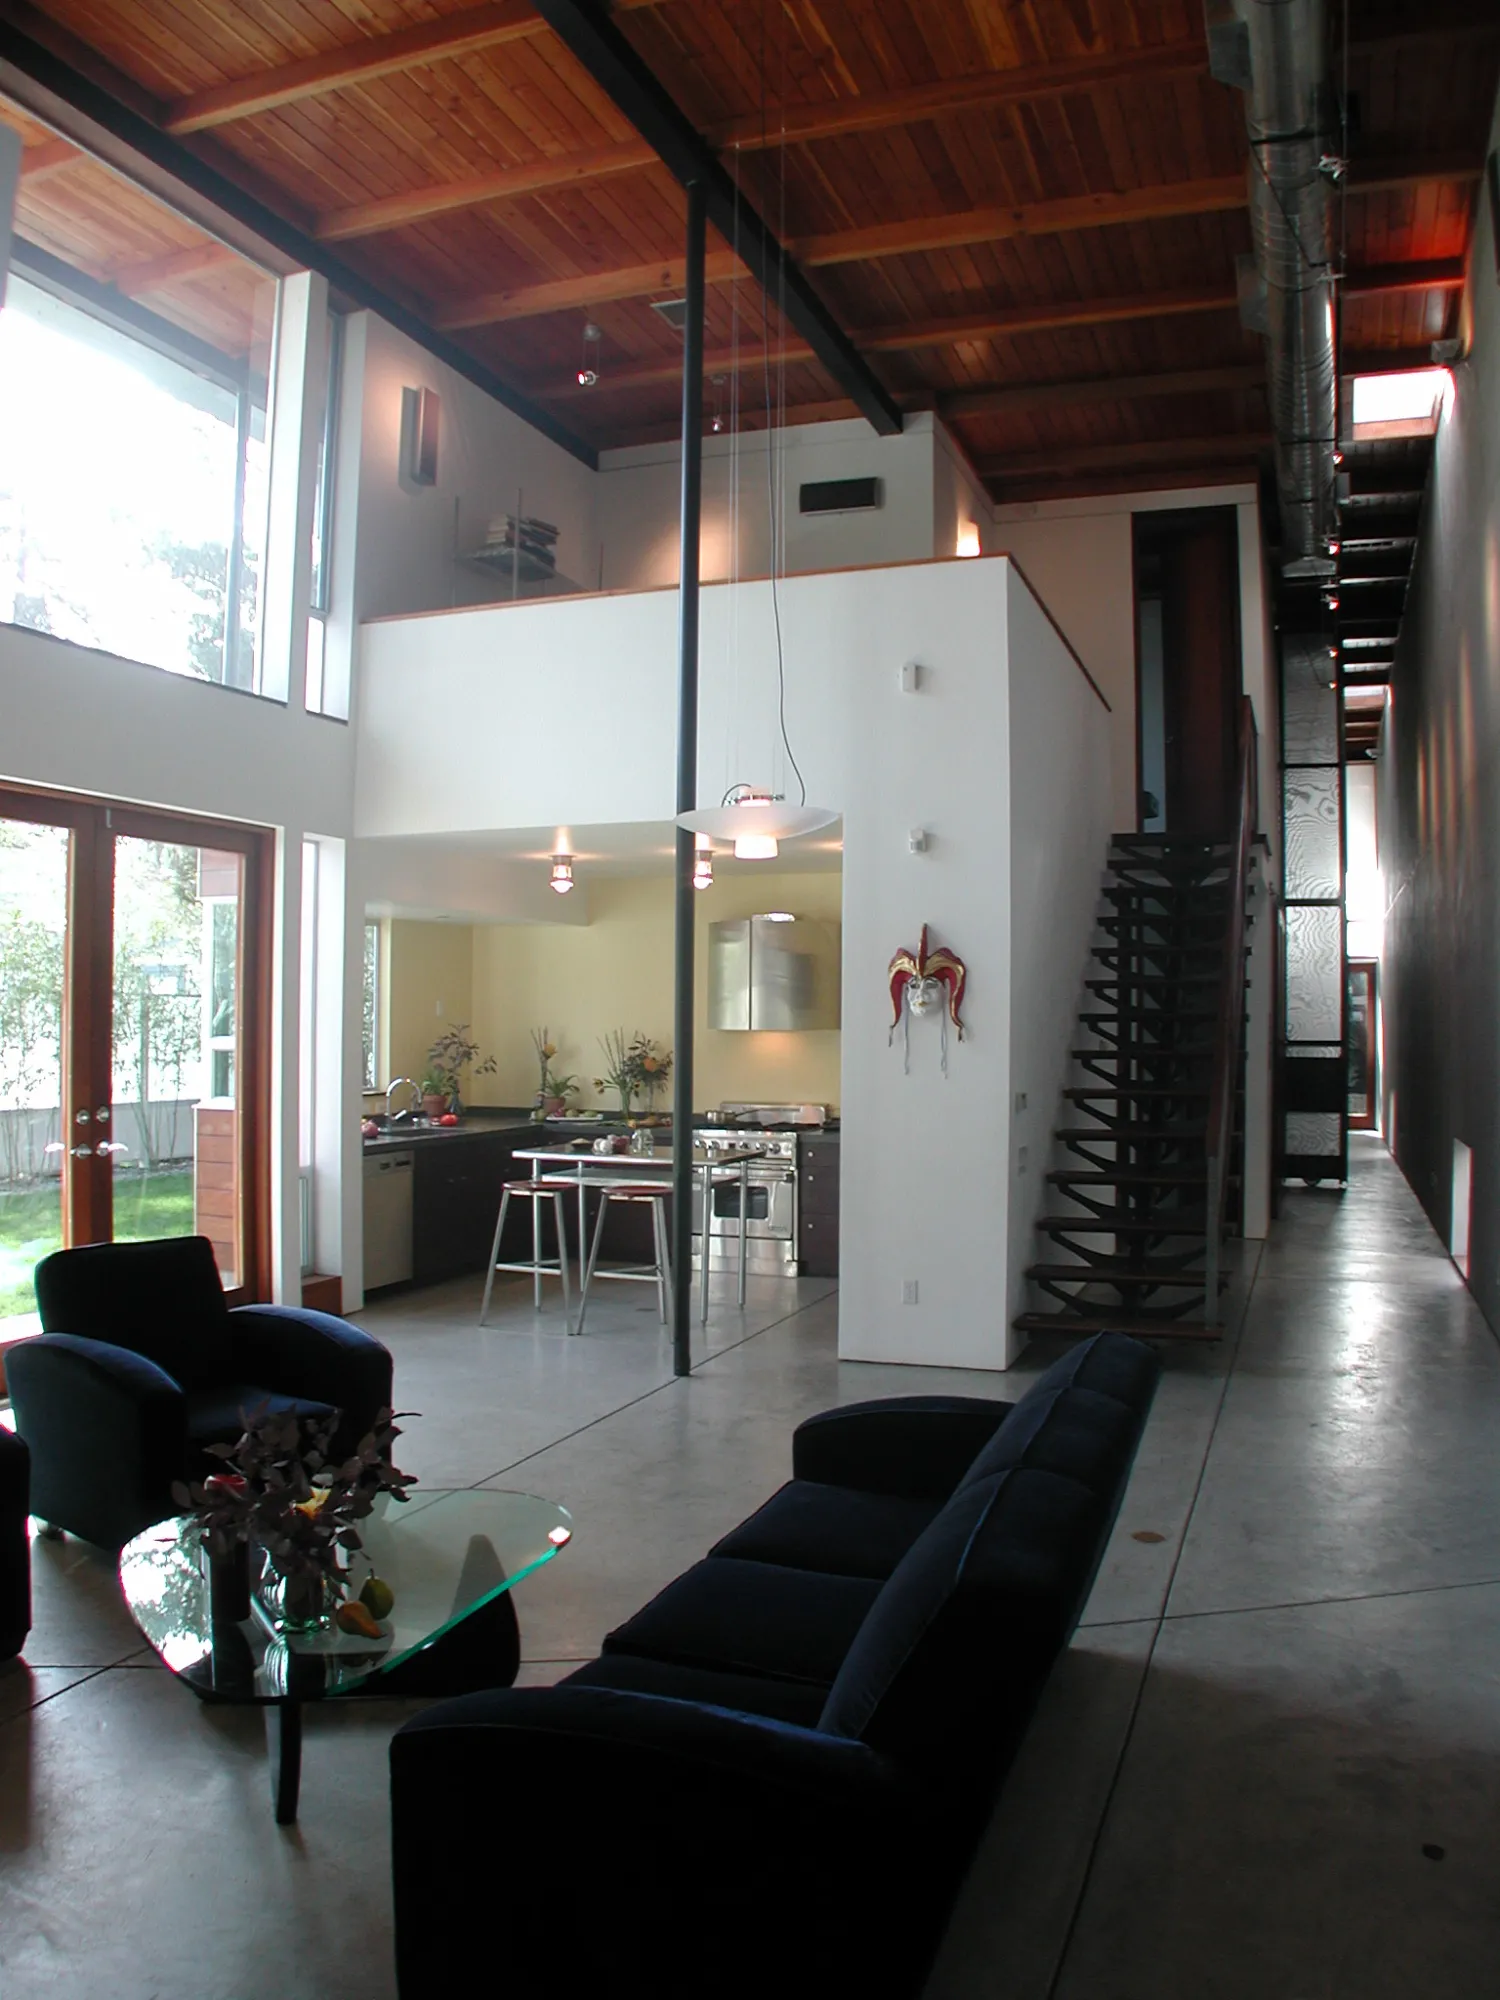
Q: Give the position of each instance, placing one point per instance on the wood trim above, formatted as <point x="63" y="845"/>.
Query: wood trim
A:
<point x="88" y="1030"/>
<point x="48" y="157"/>
<point x="1072" y="650"/>
<point x="1029" y="396"/>
<point x="1379" y="174"/>
<point x="368" y="218"/>
<point x="892" y="239"/>
<point x="156" y="273"/>
<point x="1232" y="448"/>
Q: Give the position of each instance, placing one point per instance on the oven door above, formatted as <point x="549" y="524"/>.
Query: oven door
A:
<point x="770" y="1203"/>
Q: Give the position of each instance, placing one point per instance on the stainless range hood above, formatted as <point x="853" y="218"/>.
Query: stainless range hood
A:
<point x="774" y="972"/>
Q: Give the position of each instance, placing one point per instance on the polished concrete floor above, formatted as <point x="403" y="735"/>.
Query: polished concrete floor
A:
<point x="1269" y="1768"/>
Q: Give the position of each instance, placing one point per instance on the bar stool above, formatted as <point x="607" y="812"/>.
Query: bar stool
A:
<point x="658" y="1193"/>
<point x="537" y="1191"/>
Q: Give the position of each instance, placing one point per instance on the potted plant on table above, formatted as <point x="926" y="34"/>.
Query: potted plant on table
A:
<point x="450" y="1055"/>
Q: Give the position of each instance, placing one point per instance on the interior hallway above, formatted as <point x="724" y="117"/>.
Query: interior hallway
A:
<point x="1272" y="1711"/>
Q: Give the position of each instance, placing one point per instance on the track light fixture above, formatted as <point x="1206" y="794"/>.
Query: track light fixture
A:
<point x="588" y="373"/>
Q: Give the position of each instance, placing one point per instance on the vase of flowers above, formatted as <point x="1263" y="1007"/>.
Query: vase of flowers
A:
<point x="619" y="1069"/>
<point x="553" y="1090"/>
<point x="282" y="1495"/>
<point x="652" y="1066"/>
<point x="450" y="1055"/>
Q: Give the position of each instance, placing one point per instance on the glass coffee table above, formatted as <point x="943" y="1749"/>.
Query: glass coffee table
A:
<point x="450" y="1556"/>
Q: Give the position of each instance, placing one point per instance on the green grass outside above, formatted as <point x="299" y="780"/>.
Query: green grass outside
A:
<point x="146" y="1206"/>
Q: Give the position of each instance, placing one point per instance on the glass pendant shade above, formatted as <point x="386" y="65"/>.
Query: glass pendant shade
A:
<point x="562" y="873"/>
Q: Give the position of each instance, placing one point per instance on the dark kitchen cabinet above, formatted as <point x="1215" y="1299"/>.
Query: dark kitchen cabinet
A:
<point x="818" y="1205"/>
<point x="456" y="1191"/>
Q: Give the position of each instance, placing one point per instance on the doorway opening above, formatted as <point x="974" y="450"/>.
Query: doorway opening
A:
<point x="1188" y="671"/>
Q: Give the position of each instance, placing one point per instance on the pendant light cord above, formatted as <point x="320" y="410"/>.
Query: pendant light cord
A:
<point x="776" y="527"/>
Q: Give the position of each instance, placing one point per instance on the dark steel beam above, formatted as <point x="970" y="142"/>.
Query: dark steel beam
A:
<point x="626" y="80"/>
<point x="687" y="796"/>
<point x="71" y="86"/>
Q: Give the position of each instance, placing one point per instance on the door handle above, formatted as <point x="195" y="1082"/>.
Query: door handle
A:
<point x="111" y="1146"/>
<point x="75" y="1152"/>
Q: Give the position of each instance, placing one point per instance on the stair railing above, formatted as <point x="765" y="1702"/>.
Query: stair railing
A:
<point x="1229" y="1032"/>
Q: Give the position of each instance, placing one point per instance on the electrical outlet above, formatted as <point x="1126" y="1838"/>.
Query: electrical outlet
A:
<point x="908" y="1291"/>
<point x="1021" y="1158"/>
<point x="1020" y="1100"/>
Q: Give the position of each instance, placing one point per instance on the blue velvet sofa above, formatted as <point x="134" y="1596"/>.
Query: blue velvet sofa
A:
<point x="772" y="1780"/>
<point x="141" y="1364"/>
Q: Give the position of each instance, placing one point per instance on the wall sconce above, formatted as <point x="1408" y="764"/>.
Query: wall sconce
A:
<point x="703" y="868"/>
<point x="562" y="873"/>
<point x="968" y="540"/>
<point x="421" y="413"/>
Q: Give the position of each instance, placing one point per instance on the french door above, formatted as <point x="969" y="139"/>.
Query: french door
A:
<point x="134" y="1080"/>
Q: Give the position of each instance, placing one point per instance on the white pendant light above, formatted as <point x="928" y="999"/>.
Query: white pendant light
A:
<point x="755" y="822"/>
<point x="562" y="873"/>
<point x="703" y="866"/>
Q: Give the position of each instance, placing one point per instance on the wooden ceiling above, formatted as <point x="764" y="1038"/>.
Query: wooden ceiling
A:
<point x="1025" y="213"/>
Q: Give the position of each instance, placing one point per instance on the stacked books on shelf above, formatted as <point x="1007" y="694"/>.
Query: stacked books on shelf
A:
<point x="536" y="540"/>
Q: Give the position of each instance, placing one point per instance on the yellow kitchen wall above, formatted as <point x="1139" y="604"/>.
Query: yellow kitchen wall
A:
<point x="616" y="972"/>
<point x="428" y="981"/>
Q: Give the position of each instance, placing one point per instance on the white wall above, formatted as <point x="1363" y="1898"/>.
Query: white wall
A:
<point x="639" y="492"/>
<point x="486" y="454"/>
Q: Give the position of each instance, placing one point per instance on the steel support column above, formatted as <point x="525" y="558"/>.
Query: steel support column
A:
<point x="687" y="794"/>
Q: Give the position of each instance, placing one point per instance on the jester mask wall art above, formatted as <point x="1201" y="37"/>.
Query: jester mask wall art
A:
<point x="923" y="983"/>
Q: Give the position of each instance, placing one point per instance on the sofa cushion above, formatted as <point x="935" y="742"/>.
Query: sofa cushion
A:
<point x="959" y="1642"/>
<point x="217" y="1415"/>
<point x="835" y="1528"/>
<point x="751" y="1618"/>
<point x="164" y="1300"/>
<point x="799" y="1702"/>
<point x="1082" y="1418"/>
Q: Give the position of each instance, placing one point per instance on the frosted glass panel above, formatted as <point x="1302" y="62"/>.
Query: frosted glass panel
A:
<point x="1314" y="975"/>
<point x="1314" y="1133"/>
<point x="1310" y="725"/>
<point x="1312" y="833"/>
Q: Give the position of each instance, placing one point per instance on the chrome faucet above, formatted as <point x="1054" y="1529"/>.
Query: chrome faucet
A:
<point x="410" y="1113"/>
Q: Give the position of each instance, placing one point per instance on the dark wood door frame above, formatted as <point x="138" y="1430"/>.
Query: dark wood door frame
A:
<point x="88" y="993"/>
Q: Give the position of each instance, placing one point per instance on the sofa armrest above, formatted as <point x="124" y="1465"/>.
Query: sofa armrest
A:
<point x="107" y="1431"/>
<point x="298" y="1352"/>
<point x="915" y="1447"/>
<point x="607" y="1804"/>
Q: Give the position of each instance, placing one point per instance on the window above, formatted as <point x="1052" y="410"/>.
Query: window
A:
<point x="371" y="1014"/>
<point x="1398" y="405"/>
<point x="133" y="477"/>
<point x="318" y="691"/>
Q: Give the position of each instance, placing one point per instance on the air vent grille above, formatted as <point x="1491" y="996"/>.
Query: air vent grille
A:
<point x="673" y="311"/>
<point x="840" y="496"/>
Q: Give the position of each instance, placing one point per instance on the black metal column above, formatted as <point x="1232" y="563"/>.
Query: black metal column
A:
<point x="687" y="792"/>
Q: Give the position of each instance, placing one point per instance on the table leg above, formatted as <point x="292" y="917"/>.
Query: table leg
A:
<point x="708" y="1237"/>
<point x="284" y="1746"/>
<point x="744" y="1214"/>
<point x="583" y="1229"/>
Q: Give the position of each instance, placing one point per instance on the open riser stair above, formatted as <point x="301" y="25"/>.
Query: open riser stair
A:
<point x="1137" y="1209"/>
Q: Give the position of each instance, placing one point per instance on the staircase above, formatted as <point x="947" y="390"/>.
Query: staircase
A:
<point x="1134" y="1222"/>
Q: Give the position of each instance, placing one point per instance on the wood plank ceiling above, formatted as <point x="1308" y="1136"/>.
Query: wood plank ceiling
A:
<point x="1026" y="213"/>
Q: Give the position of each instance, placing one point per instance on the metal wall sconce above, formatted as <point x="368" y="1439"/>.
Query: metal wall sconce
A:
<point x="421" y="414"/>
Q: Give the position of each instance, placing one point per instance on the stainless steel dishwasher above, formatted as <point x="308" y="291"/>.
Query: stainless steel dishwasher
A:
<point x="388" y="1255"/>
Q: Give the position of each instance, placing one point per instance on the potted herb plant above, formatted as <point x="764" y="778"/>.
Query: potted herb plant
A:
<point x="553" y="1090"/>
<point x="450" y="1055"/>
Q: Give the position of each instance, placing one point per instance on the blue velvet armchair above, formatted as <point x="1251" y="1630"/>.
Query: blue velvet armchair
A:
<point x="142" y="1364"/>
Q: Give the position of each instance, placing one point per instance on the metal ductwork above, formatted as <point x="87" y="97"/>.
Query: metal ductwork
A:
<point x="1275" y="52"/>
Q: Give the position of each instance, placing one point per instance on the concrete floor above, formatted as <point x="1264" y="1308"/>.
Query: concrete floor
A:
<point x="1269" y="1768"/>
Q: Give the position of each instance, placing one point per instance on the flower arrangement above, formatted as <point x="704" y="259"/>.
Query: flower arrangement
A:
<point x="448" y="1058"/>
<point x="637" y="1064"/>
<point x="280" y="1492"/>
<point x="553" y="1091"/>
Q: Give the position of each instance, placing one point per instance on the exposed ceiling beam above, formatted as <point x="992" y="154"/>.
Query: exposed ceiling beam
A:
<point x="1385" y="360"/>
<point x="1233" y="448"/>
<point x="48" y="157"/>
<point x="154" y="273"/>
<point x="1022" y="398"/>
<point x="1432" y="274"/>
<point x="397" y="211"/>
<point x="1389" y="173"/>
<point x="594" y="40"/>
<point x="1036" y="218"/>
<point x="884" y="240"/>
<point x="915" y="334"/>
<point x="636" y="281"/>
<point x="361" y="61"/>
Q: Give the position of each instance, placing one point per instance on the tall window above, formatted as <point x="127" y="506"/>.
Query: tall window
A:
<point x="133" y="468"/>
<point x="371" y="1016"/>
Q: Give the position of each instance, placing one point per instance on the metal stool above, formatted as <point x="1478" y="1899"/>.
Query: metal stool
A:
<point x="658" y="1193"/>
<point x="538" y="1190"/>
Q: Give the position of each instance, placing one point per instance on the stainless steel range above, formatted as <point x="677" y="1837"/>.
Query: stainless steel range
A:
<point x="771" y="1196"/>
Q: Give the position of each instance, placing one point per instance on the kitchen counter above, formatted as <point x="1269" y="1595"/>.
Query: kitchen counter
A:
<point x="479" y="1124"/>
